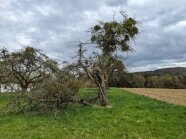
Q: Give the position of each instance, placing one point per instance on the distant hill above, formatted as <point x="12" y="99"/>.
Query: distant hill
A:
<point x="172" y="71"/>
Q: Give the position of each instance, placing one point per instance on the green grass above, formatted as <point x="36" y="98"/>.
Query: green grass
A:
<point x="131" y="116"/>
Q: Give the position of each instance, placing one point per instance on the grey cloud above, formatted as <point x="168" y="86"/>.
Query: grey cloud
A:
<point x="113" y="3"/>
<point x="53" y="26"/>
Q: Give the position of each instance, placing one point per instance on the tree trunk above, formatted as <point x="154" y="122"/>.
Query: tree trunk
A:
<point x="23" y="89"/>
<point x="102" y="94"/>
<point x="100" y="82"/>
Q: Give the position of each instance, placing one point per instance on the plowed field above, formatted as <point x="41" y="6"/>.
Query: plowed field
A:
<point x="174" y="96"/>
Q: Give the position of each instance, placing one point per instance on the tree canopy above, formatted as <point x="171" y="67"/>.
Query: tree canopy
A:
<point x="112" y="36"/>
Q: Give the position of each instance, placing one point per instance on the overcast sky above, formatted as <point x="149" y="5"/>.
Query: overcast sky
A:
<point x="53" y="25"/>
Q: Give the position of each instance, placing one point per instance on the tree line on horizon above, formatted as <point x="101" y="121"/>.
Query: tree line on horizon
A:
<point x="137" y="80"/>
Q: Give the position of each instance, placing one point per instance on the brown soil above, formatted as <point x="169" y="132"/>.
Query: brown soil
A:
<point x="174" y="96"/>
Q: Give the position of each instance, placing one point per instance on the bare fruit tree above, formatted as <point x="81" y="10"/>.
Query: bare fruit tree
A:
<point x="108" y="38"/>
<point x="25" y="67"/>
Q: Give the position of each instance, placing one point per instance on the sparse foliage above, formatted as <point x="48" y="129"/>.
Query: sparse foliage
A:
<point x="26" y="67"/>
<point x="53" y="88"/>
<point x="109" y="37"/>
<point x="52" y="95"/>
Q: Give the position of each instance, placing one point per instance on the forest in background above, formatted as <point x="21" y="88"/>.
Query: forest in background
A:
<point x="161" y="78"/>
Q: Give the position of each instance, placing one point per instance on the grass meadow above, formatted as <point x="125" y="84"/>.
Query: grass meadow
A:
<point x="131" y="117"/>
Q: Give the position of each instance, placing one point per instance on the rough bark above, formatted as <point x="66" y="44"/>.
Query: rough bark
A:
<point x="102" y="95"/>
<point x="100" y="82"/>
